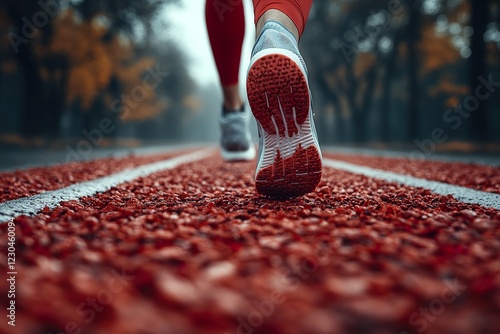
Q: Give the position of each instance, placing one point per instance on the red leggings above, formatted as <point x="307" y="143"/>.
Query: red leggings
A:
<point x="226" y="29"/>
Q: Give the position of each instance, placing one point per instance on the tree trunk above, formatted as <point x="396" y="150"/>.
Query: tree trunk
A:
<point x="55" y="94"/>
<point x="332" y="98"/>
<point x="360" y="111"/>
<point x="413" y="67"/>
<point x="478" y="129"/>
<point x="385" y="104"/>
<point x="32" y="120"/>
<point x="34" y="113"/>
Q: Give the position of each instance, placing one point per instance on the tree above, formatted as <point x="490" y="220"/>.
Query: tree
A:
<point x="30" y="27"/>
<point x="346" y="64"/>
<point x="86" y="56"/>
<point x="477" y="67"/>
<point x="413" y="68"/>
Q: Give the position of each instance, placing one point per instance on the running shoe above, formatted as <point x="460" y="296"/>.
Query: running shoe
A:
<point x="236" y="139"/>
<point x="290" y="161"/>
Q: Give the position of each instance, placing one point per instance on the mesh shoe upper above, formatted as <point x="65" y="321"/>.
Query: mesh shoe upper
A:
<point x="235" y="131"/>
<point x="275" y="35"/>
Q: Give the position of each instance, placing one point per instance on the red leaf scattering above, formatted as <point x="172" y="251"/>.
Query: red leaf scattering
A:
<point x="22" y="183"/>
<point x="480" y="177"/>
<point x="196" y="250"/>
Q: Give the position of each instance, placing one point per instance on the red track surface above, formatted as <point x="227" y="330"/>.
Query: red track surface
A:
<point x="198" y="249"/>
<point x="485" y="178"/>
<point x="33" y="181"/>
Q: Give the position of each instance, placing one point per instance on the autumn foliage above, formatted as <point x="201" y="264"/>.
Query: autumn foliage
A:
<point x="88" y="59"/>
<point x="93" y="61"/>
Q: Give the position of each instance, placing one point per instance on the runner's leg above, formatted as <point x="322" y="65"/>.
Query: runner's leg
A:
<point x="226" y="30"/>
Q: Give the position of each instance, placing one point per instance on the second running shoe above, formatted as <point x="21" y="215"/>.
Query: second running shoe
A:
<point x="236" y="140"/>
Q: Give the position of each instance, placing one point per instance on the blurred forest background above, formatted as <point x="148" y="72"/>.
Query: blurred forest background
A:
<point x="383" y="72"/>
<point x="395" y="71"/>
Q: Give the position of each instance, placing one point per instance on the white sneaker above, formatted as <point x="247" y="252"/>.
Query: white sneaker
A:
<point x="236" y="139"/>
<point x="290" y="162"/>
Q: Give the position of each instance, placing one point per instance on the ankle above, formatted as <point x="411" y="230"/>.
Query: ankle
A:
<point x="232" y="98"/>
<point x="233" y="106"/>
<point x="226" y="111"/>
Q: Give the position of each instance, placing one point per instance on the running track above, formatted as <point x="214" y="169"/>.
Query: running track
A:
<point x="180" y="243"/>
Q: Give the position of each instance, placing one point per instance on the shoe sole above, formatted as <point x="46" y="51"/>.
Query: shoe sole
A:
<point x="278" y="93"/>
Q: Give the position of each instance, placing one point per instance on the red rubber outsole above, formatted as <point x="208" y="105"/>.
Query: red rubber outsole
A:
<point x="273" y="80"/>
<point x="291" y="177"/>
<point x="278" y="95"/>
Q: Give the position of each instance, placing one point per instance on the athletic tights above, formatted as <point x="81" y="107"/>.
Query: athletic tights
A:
<point x="226" y="29"/>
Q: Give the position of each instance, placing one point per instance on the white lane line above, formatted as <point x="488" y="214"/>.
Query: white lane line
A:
<point x="33" y="204"/>
<point x="463" y="194"/>
<point x="476" y="159"/>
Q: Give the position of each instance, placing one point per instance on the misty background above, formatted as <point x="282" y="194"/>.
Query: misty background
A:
<point x="383" y="73"/>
